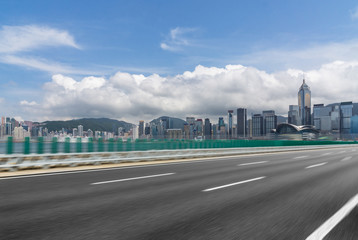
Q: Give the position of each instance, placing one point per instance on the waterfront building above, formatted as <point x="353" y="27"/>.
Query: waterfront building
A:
<point x="257" y="125"/>
<point x="346" y="114"/>
<point x="293" y="115"/>
<point x="269" y="121"/>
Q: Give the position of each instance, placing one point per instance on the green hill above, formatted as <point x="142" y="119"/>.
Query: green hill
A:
<point x="95" y="124"/>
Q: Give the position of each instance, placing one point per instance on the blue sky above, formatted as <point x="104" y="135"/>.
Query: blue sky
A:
<point x="80" y="39"/>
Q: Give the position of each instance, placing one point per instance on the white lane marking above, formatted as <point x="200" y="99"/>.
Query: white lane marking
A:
<point x="353" y="150"/>
<point x="328" y="225"/>
<point x="317" y="165"/>
<point x="251" y="163"/>
<point x="325" y="154"/>
<point x="346" y="158"/>
<point x="135" y="178"/>
<point x="300" y="157"/>
<point x="232" y="184"/>
<point x="341" y="152"/>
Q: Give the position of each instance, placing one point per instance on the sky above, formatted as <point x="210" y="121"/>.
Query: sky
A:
<point x="138" y="60"/>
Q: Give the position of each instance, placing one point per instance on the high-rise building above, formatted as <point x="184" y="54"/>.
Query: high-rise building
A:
<point x="90" y="133"/>
<point x="141" y="128"/>
<point x="293" y="115"/>
<point x="8" y="130"/>
<point x="221" y="122"/>
<point x="74" y="132"/>
<point x="304" y="103"/>
<point x="80" y="130"/>
<point x="147" y="129"/>
<point x="257" y="125"/>
<point x="199" y="127"/>
<point x="241" y="123"/>
<point x="229" y="115"/>
<point x="207" y="128"/>
<point x="347" y="113"/>
<point x="317" y="109"/>
<point x="270" y="121"/>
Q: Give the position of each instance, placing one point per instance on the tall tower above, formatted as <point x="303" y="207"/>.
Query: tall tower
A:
<point x="141" y="128"/>
<point x="241" y="123"/>
<point x="230" y="123"/>
<point x="304" y="103"/>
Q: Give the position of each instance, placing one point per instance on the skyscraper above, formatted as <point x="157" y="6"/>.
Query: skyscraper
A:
<point x="207" y="129"/>
<point x="346" y="114"/>
<point x="257" y="125"/>
<point x="293" y="115"/>
<point x="304" y="103"/>
<point x="141" y="128"/>
<point x="241" y="123"/>
<point x="80" y="130"/>
<point x="270" y="121"/>
<point x="230" y="123"/>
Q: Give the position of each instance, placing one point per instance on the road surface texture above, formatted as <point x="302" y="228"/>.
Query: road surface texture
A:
<point x="292" y="195"/>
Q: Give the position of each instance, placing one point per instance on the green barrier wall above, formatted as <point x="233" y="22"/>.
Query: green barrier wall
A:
<point x="144" y="145"/>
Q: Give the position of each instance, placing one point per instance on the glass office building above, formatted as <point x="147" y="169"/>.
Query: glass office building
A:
<point x="304" y="103"/>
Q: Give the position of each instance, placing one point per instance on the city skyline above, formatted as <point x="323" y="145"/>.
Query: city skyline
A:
<point x="211" y="58"/>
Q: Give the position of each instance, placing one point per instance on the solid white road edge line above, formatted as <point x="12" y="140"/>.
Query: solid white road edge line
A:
<point x="300" y="157"/>
<point x="317" y="165"/>
<point x="135" y="178"/>
<point x="251" y="163"/>
<point x="346" y="158"/>
<point x="327" y="226"/>
<point x="232" y="184"/>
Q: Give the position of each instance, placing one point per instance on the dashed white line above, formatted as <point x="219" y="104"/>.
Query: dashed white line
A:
<point x="252" y="163"/>
<point x="346" y="158"/>
<point x="317" y="165"/>
<point x="135" y="178"/>
<point x="325" y="154"/>
<point x="341" y="152"/>
<point x="328" y="225"/>
<point x="300" y="157"/>
<point x="232" y="184"/>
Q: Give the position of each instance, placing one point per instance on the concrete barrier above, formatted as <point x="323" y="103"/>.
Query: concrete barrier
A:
<point x="28" y="161"/>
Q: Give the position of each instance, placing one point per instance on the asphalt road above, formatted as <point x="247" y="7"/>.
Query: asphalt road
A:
<point x="267" y="196"/>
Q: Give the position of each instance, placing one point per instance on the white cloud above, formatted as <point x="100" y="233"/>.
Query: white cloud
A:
<point x="15" y="39"/>
<point x="177" y="39"/>
<point x="43" y="65"/>
<point x="26" y="103"/>
<point x="204" y="92"/>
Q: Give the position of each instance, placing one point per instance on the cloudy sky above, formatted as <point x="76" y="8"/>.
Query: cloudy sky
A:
<point x="138" y="60"/>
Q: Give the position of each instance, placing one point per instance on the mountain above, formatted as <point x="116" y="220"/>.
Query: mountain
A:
<point x="95" y="124"/>
<point x="171" y="122"/>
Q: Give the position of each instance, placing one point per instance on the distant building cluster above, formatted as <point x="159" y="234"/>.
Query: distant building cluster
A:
<point x="336" y="120"/>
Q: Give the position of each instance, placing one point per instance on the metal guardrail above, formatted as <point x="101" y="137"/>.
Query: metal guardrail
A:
<point x="30" y="161"/>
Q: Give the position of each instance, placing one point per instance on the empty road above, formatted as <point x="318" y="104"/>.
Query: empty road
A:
<point x="292" y="195"/>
